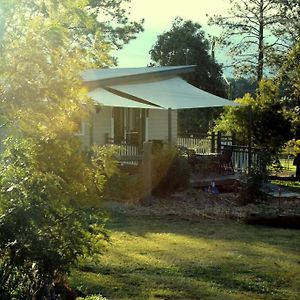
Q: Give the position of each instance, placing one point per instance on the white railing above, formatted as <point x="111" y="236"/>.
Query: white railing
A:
<point x="204" y="144"/>
<point x="240" y="157"/>
<point x="200" y="145"/>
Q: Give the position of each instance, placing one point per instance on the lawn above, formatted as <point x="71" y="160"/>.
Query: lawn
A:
<point x="151" y="258"/>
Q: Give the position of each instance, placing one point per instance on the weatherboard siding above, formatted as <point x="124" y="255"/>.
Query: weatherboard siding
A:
<point x="158" y="125"/>
<point x="102" y="125"/>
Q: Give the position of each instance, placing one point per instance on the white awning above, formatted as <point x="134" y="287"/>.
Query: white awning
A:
<point x="106" y="98"/>
<point x="172" y="93"/>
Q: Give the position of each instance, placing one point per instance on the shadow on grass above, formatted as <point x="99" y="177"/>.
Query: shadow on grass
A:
<point x="169" y="258"/>
<point x="193" y="282"/>
<point x="227" y="230"/>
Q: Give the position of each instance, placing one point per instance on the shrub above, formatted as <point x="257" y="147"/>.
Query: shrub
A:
<point x="123" y="187"/>
<point x="250" y="189"/>
<point x="48" y="218"/>
<point x="118" y="184"/>
<point x="170" y="172"/>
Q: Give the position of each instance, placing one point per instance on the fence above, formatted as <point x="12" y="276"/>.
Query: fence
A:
<point x="204" y="144"/>
<point x="240" y="157"/>
<point x="127" y="154"/>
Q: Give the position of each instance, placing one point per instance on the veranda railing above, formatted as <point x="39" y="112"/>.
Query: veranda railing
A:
<point x="240" y="157"/>
<point x="126" y="153"/>
<point x="204" y="144"/>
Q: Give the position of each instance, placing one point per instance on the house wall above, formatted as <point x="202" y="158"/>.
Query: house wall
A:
<point x="102" y="125"/>
<point x="94" y="130"/>
<point x="158" y="125"/>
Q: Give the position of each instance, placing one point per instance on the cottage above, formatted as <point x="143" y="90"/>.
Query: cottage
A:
<point x="140" y="104"/>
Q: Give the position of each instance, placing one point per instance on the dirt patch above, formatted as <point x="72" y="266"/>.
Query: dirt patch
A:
<point x="196" y="204"/>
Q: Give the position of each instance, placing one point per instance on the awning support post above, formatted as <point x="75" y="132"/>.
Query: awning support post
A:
<point x="170" y="127"/>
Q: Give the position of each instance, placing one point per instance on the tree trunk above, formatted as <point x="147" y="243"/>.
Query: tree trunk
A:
<point x="260" y="61"/>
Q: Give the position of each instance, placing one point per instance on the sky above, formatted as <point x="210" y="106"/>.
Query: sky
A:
<point x="158" y="15"/>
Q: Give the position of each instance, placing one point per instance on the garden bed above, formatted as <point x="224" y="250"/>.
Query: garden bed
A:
<point x="195" y="204"/>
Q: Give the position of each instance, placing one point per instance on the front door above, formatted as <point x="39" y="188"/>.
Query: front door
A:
<point x="129" y="125"/>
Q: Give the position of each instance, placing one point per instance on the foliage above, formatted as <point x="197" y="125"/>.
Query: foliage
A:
<point x="48" y="215"/>
<point x="242" y="86"/>
<point x="118" y="185"/>
<point x="254" y="31"/>
<point x="251" y="184"/>
<point x="50" y="191"/>
<point x="94" y="27"/>
<point x="123" y="187"/>
<point x="271" y="129"/>
<point x="185" y="43"/>
<point x="170" y="172"/>
<point x="289" y="78"/>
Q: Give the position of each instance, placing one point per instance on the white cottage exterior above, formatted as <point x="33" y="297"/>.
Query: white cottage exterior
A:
<point x="134" y="105"/>
<point x="116" y="125"/>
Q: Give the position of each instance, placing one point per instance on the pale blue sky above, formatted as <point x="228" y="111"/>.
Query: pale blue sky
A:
<point x="158" y="15"/>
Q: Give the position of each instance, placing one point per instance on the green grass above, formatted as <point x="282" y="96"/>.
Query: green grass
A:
<point x="177" y="259"/>
<point x="287" y="164"/>
<point x="293" y="185"/>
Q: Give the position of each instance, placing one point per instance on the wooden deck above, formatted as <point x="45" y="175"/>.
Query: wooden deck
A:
<point x="218" y="179"/>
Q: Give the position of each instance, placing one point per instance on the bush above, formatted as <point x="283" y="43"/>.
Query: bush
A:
<point x="48" y="218"/>
<point x="170" y="172"/>
<point x="118" y="184"/>
<point x="250" y="189"/>
<point x="123" y="187"/>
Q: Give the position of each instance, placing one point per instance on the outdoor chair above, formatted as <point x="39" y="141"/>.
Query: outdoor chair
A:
<point x="224" y="163"/>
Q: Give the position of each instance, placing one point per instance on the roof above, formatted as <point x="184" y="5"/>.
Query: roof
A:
<point x="151" y="87"/>
<point x="122" y="74"/>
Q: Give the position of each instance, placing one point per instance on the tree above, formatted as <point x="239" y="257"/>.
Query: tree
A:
<point x="254" y="29"/>
<point x="289" y="78"/>
<point x="271" y="128"/>
<point x="242" y="86"/>
<point x="96" y="27"/>
<point x="183" y="44"/>
<point x="49" y="189"/>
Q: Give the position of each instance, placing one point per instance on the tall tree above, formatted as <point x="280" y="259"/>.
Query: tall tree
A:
<point x="96" y="27"/>
<point x="49" y="190"/>
<point x="253" y="30"/>
<point x="289" y="78"/>
<point x="185" y="43"/>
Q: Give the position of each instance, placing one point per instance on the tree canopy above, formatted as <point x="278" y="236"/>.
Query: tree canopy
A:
<point x="271" y="128"/>
<point x="258" y="32"/>
<point x="49" y="188"/>
<point x="185" y="43"/>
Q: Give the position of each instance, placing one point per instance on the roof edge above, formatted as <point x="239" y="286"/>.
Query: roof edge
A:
<point x="176" y="70"/>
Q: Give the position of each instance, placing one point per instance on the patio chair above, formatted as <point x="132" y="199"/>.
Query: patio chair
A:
<point x="225" y="162"/>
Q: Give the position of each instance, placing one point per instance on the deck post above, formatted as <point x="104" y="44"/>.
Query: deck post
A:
<point x="213" y="143"/>
<point x="146" y="171"/>
<point x="219" y="139"/>
<point x="249" y="138"/>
